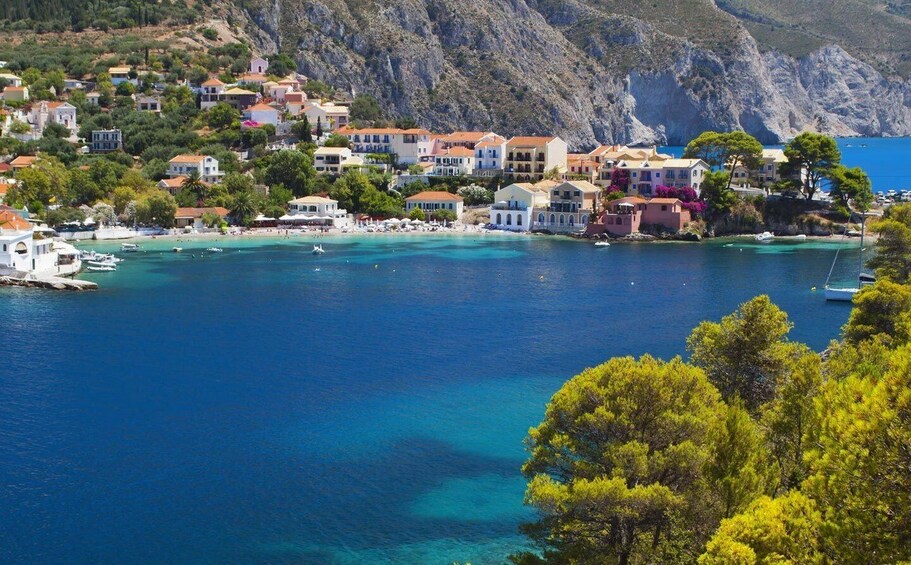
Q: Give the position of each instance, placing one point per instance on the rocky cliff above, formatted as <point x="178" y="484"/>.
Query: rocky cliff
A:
<point x="590" y="71"/>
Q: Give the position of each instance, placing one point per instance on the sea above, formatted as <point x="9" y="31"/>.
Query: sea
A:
<point x="880" y="157"/>
<point x="365" y="406"/>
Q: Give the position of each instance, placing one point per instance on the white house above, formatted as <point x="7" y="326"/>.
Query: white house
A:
<point x="315" y="211"/>
<point x="431" y="201"/>
<point x="204" y="165"/>
<point x="148" y="104"/>
<point x="21" y="249"/>
<point x="570" y="207"/>
<point x="684" y="172"/>
<point x="262" y="114"/>
<point x="333" y="160"/>
<point x="211" y="93"/>
<point x="529" y="158"/>
<point x="411" y="146"/>
<point x="514" y="205"/>
<point x="258" y="65"/>
<point x="11" y="79"/>
<point x="453" y="162"/>
<point x="295" y="103"/>
<point x="489" y="154"/>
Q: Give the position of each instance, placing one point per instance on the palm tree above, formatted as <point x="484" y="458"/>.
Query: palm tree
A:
<point x="196" y="185"/>
<point x="244" y="208"/>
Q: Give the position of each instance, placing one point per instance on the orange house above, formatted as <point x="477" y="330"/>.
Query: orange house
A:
<point x="627" y="215"/>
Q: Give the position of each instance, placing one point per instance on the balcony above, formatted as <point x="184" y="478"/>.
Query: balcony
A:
<point x="510" y="206"/>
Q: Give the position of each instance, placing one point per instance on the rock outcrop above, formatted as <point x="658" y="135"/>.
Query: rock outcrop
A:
<point x="576" y="69"/>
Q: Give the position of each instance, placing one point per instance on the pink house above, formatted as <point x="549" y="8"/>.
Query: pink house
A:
<point x="626" y="215"/>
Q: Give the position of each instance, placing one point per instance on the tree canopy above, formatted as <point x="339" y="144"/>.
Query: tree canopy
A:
<point x="812" y="156"/>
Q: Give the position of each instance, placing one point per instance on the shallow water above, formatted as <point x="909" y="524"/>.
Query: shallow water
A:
<point x="364" y="406"/>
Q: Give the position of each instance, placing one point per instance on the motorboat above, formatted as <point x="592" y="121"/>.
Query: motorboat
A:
<point x="129" y="247"/>
<point x="215" y="250"/>
<point x="602" y="244"/>
<point x="841" y="294"/>
<point x="318" y="250"/>
<point x="765" y="237"/>
<point x="97" y="263"/>
<point x="101" y="268"/>
<point x="801" y="236"/>
<point x="177" y="249"/>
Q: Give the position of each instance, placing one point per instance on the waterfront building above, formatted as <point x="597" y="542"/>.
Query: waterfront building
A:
<point x="489" y="154"/>
<point x="569" y="207"/>
<point x="431" y="201"/>
<point x="334" y="160"/>
<point x="204" y="165"/>
<point x="528" y="158"/>
<point x="106" y="140"/>
<point x="513" y="205"/>
<point x="680" y="173"/>
<point x="767" y="172"/>
<point x="22" y="249"/>
<point x="456" y="161"/>
<point x="627" y="215"/>
<point x="315" y="210"/>
<point x="409" y="145"/>
<point x="192" y="217"/>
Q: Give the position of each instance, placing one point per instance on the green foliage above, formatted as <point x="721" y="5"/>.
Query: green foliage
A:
<point x="244" y="209"/>
<point x="40" y="185"/>
<point x="302" y="130"/>
<point x="156" y="209"/>
<point x="814" y="154"/>
<point x="893" y="247"/>
<point x="336" y="140"/>
<point x="783" y="530"/>
<point x="281" y="65"/>
<point x="616" y="467"/>
<point x="292" y="169"/>
<point x="745" y="354"/>
<point x="62" y="215"/>
<point x="444" y="215"/>
<point x="717" y="193"/>
<point x="475" y="195"/>
<point x="882" y="310"/>
<point x="380" y="204"/>
<point x="221" y="116"/>
<point x="851" y="186"/>
<point x="416" y="214"/>
<point x="366" y="108"/>
<point x="726" y="150"/>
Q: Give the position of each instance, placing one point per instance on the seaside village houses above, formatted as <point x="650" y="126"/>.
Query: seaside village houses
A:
<point x="28" y="250"/>
<point x="203" y="165"/>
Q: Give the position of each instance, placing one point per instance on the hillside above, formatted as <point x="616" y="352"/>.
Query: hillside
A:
<point x="595" y="70"/>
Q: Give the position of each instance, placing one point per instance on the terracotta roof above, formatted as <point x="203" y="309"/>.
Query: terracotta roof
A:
<point x="5" y="185"/>
<point x="23" y="161"/>
<point x="239" y="92"/>
<point x="491" y="143"/>
<point x="664" y="201"/>
<point x="12" y="221"/>
<point x="14" y="89"/>
<point x="583" y="185"/>
<point x="295" y="97"/>
<point x="681" y="163"/>
<point x="458" y="152"/>
<point x="261" y="108"/>
<point x="213" y="82"/>
<point x="175" y="182"/>
<point x="5" y="167"/>
<point x="312" y="200"/>
<point x="198" y="212"/>
<point x="530" y="140"/>
<point x="434" y="196"/>
<point x="464" y="136"/>
<point x="118" y="70"/>
<point x="253" y="77"/>
<point x="187" y="159"/>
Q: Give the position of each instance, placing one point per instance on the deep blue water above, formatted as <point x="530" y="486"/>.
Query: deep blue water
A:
<point x="365" y="406"/>
<point x="882" y="158"/>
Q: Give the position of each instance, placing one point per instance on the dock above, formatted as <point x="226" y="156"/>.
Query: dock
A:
<point x="55" y="283"/>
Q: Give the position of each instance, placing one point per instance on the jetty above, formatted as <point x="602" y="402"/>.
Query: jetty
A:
<point x="55" y="283"/>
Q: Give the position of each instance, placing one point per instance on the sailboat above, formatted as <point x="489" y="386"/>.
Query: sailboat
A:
<point x="864" y="279"/>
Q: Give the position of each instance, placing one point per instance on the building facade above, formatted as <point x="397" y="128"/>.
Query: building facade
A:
<point x="530" y="158"/>
<point x="204" y="165"/>
<point x="106" y="140"/>
<point x="431" y="201"/>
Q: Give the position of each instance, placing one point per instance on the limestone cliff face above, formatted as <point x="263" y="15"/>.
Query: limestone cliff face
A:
<point x="582" y="72"/>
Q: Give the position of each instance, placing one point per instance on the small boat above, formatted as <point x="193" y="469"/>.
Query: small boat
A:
<point x="841" y="294"/>
<point x="129" y="247"/>
<point x="215" y="250"/>
<point x="602" y="244"/>
<point x="765" y="237"/>
<point x="100" y="269"/>
<point x="318" y="250"/>
<point x="865" y="279"/>
<point x="177" y="249"/>
<point x="96" y="263"/>
<point x="801" y="236"/>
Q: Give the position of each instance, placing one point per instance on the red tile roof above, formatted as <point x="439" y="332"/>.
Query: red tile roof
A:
<point x="198" y="212"/>
<point x="12" y="221"/>
<point x="434" y="196"/>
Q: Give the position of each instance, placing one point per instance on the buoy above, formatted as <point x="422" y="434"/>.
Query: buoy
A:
<point x="376" y="266"/>
<point x="632" y="283"/>
<point x="541" y="277"/>
<point x="813" y="289"/>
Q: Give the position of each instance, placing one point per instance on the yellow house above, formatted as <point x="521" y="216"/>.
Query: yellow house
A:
<point x="529" y="158"/>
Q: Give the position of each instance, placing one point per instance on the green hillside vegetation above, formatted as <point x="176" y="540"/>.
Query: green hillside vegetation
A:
<point x="76" y="15"/>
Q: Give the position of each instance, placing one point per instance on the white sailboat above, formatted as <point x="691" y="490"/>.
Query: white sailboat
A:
<point x="846" y="294"/>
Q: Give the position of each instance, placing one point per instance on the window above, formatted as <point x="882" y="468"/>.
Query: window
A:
<point x="508" y="219"/>
<point x="576" y="193"/>
<point x="553" y="219"/>
<point x="518" y="219"/>
<point x="540" y="221"/>
<point x="664" y="207"/>
<point x="562" y="219"/>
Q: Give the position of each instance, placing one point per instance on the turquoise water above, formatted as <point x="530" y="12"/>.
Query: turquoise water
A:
<point x="364" y="406"/>
<point x="882" y="159"/>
